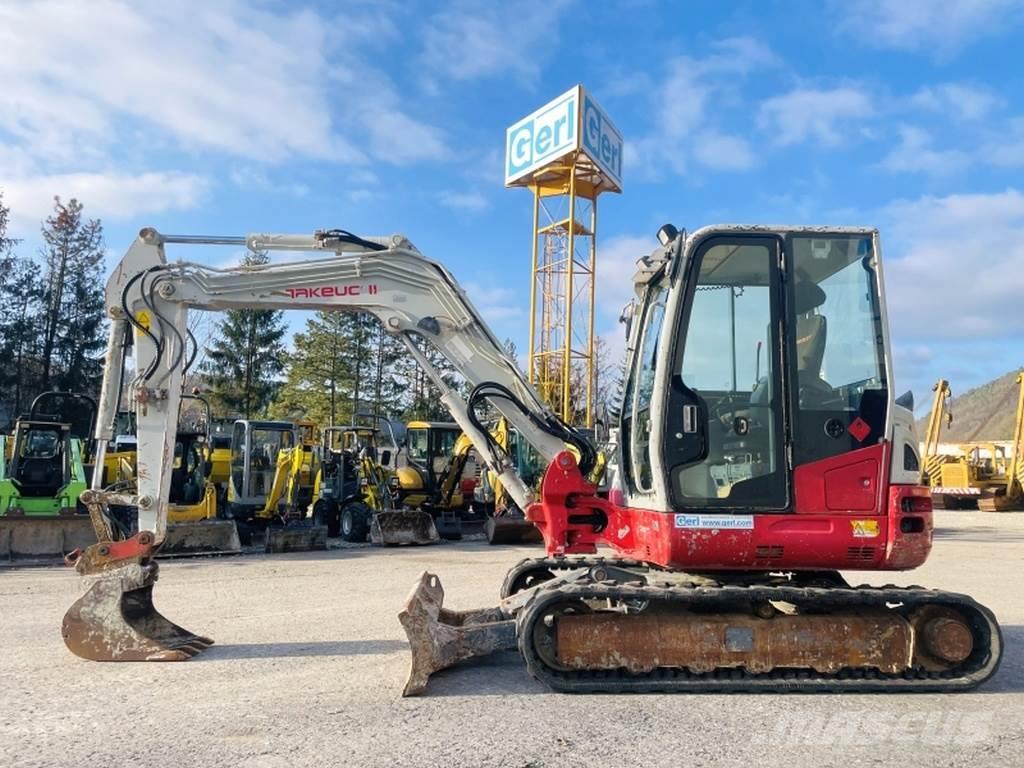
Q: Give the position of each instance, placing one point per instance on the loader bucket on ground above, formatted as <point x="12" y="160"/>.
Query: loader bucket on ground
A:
<point x="115" y="620"/>
<point x="28" y="538"/>
<point x="202" y="537"/>
<point x="404" y="526"/>
<point x="511" y="530"/>
<point x="439" y="638"/>
<point x="297" y="537"/>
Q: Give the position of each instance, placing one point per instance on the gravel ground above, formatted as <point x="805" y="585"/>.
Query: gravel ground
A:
<point x="310" y="661"/>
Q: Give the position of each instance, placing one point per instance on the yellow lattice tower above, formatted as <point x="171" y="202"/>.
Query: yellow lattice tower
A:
<point x="566" y="153"/>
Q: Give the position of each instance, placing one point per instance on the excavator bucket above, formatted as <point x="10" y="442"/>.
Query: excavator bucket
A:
<point x="202" y="537"/>
<point x="511" y="530"/>
<point x="439" y="638"/>
<point x="115" y="620"/>
<point x="403" y="526"/>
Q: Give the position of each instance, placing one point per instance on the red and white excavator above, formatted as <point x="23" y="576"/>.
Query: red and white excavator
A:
<point x="761" y="451"/>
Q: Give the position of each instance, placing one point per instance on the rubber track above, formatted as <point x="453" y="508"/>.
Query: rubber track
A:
<point x="980" y="666"/>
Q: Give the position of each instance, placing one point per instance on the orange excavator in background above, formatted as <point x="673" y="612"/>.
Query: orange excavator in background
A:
<point x="761" y="450"/>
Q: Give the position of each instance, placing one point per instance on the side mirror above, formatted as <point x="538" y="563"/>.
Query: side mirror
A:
<point x="385" y="457"/>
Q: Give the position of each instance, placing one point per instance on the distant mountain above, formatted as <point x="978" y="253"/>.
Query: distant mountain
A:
<point x="980" y="414"/>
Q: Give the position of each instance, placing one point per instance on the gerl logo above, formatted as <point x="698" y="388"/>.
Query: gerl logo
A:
<point x="602" y="140"/>
<point x="543" y="136"/>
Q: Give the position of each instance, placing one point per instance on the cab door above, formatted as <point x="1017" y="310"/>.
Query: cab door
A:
<point x="724" y="428"/>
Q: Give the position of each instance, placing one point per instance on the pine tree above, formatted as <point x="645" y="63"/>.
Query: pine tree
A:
<point x="72" y="321"/>
<point x="317" y="385"/>
<point x="423" y="399"/>
<point x="246" y="356"/>
<point x="342" y="364"/>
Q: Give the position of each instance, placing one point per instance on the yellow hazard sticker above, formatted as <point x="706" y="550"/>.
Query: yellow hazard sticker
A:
<point x="864" y="529"/>
<point x="142" y="316"/>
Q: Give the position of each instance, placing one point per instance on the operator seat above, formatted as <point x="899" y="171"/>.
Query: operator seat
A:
<point x="811" y="336"/>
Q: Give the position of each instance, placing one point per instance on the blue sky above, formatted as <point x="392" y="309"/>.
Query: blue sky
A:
<point x="230" y="117"/>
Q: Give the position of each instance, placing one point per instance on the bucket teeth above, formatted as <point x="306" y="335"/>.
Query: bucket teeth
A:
<point x="115" y="620"/>
<point x="439" y="638"/>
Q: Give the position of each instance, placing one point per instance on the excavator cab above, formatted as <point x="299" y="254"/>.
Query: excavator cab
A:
<point x="255" y="446"/>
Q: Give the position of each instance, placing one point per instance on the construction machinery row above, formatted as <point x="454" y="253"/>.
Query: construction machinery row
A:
<point x="760" y="450"/>
<point x="985" y="475"/>
<point x="232" y="479"/>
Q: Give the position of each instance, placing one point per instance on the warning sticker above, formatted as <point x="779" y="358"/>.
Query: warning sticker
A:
<point x="864" y="529"/>
<point x="719" y="522"/>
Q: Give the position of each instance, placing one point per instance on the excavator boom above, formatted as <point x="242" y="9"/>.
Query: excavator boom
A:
<point x="148" y="301"/>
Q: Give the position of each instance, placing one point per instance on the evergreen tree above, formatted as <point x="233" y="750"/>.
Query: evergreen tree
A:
<point x="246" y="356"/>
<point x="317" y="384"/>
<point x="343" y="363"/>
<point x="423" y="399"/>
<point x="73" y="318"/>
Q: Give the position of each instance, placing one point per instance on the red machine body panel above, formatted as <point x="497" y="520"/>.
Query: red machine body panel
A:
<point x="846" y="517"/>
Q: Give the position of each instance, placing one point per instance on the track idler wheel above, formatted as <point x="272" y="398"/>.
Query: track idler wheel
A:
<point x="439" y="638"/>
<point x="115" y="620"/>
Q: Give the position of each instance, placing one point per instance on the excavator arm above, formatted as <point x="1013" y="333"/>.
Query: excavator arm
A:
<point x="148" y="301"/>
<point x="413" y="297"/>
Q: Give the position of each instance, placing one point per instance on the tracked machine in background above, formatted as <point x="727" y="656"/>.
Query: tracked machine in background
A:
<point x="270" y="486"/>
<point x="761" y="450"/>
<point x="44" y="466"/>
<point x="981" y="475"/>
<point x="437" y="474"/>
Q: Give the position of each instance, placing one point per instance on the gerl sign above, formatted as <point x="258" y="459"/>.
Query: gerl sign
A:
<point x="573" y="121"/>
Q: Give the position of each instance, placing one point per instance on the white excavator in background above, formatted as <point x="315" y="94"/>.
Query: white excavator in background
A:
<point x="761" y="450"/>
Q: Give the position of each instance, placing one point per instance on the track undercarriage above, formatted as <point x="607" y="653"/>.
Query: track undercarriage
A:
<point x="605" y="625"/>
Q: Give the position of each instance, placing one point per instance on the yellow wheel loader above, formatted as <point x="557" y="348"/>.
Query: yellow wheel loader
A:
<point x="356" y="493"/>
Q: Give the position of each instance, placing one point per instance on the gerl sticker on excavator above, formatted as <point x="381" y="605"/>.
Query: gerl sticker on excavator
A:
<point x="718" y="522"/>
<point x="864" y="529"/>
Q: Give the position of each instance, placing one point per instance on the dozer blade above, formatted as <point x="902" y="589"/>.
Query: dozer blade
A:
<point x="115" y="620"/>
<point x="202" y="537"/>
<point x="403" y="526"/>
<point x="39" y="538"/>
<point x="296" y="537"/>
<point x="439" y="638"/>
<point x="511" y="530"/>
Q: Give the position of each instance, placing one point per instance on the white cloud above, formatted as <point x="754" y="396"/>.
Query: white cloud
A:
<point x="968" y="102"/>
<point x="941" y="26"/>
<point x="679" y="107"/>
<point x="616" y="265"/>
<point x="469" y="40"/>
<point x="1004" y="148"/>
<point x="466" y="201"/>
<point x="723" y="153"/>
<point x="914" y="154"/>
<point x="246" y="79"/>
<point x="110" y="195"/>
<point x="497" y="304"/>
<point x="248" y="177"/>
<point x="825" y="116"/>
<point x="955" y="266"/>
<point x="227" y="77"/>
